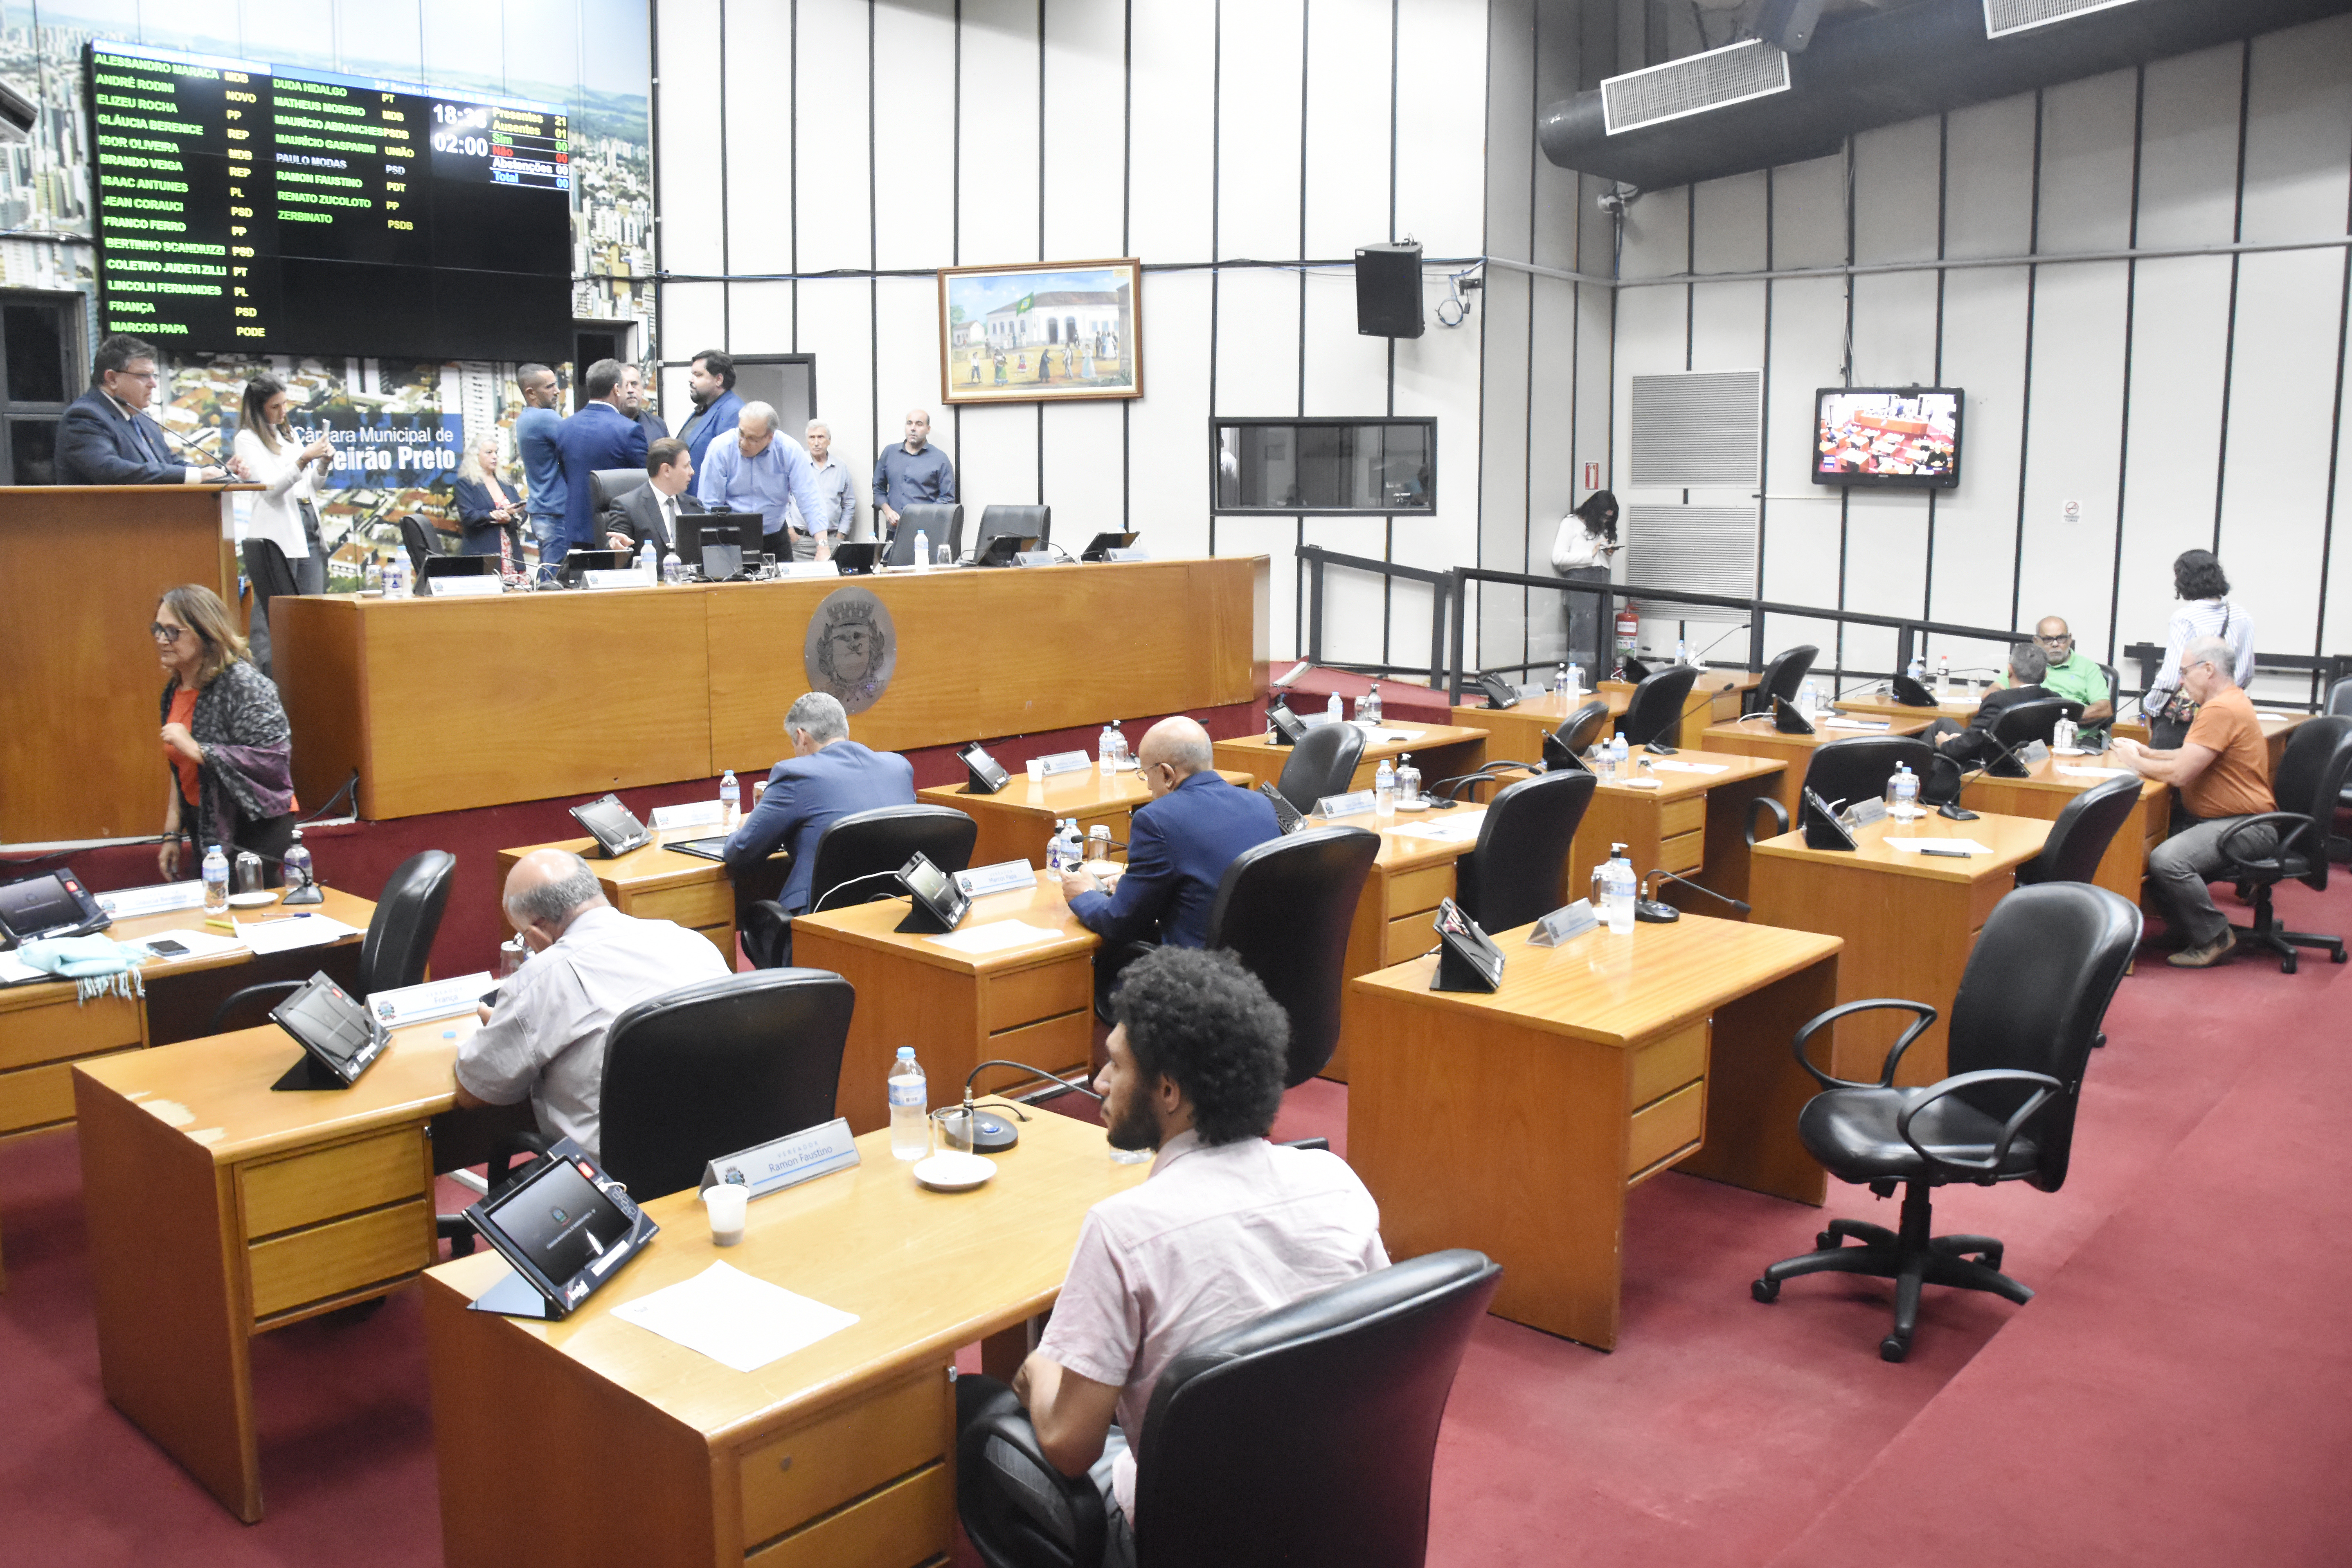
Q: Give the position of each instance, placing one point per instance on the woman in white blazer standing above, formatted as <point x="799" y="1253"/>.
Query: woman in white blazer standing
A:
<point x="282" y="550"/>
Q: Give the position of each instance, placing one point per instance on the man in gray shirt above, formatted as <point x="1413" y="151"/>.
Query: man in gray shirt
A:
<point x="912" y="473"/>
<point x="838" y="496"/>
<point x="544" y="1040"/>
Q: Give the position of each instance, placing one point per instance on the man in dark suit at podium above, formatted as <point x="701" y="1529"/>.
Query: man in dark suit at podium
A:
<point x="105" y="438"/>
<point x="652" y="510"/>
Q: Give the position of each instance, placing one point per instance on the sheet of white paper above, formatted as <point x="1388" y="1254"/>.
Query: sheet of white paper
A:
<point x="2095" y="772"/>
<point x="125" y="902"/>
<point x="1857" y="725"/>
<point x="734" y="1318"/>
<point x="994" y="936"/>
<point x="1456" y="830"/>
<point x="284" y="933"/>
<point x="1965" y="845"/>
<point x="199" y="944"/>
<point x="15" y="972"/>
<point x="1389" y="735"/>
<point x="1677" y="766"/>
<point x="2273" y="718"/>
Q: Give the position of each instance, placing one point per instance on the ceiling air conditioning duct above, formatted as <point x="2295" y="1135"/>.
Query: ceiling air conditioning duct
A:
<point x="2004" y="18"/>
<point x="1693" y="85"/>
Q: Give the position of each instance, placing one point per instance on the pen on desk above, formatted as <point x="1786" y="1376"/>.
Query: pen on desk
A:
<point x="1950" y="854"/>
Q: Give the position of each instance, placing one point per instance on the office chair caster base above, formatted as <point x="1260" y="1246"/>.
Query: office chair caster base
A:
<point x="1893" y="1348"/>
<point x="1828" y="1240"/>
<point x="1767" y="1290"/>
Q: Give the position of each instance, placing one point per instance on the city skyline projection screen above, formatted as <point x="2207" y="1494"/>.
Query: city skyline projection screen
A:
<point x="242" y="205"/>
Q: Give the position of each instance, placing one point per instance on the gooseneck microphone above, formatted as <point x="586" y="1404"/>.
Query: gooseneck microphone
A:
<point x="1658" y="913"/>
<point x="993" y="1134"/>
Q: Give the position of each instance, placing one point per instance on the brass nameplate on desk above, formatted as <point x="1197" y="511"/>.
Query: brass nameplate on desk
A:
<point x="1561" y="924"/>
<point x="786" y="1161"/>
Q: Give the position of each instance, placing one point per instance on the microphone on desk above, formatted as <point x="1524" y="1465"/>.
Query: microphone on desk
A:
<point x="1659" y="913"/>
<point x="994" y="1134"/>
<point x="189" y="447"/>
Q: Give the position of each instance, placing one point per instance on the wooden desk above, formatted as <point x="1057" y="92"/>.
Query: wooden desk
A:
<point x="1516" y="1123"/>
<point x="1960" y="709"/>
<point x="1909" y="922"/>
<point x="655" y="883"/>
<point x="43" y="1032"/>
<point x="1439" y="751"/>
<point x="2276" y="728"/>
<point x="692" y="679"/>
<point x="84" y="566"/>
<point x="219" y="1210"/>
<point x="1017" y="821"/>
<point x="839" y="1455"/>
<point x="1757" y="738"/>
<point x="2046" y="792"/>
<point x="1032" y="1004"/>
<point x="1394" y="913"/>
<point x="1517" y="734"/>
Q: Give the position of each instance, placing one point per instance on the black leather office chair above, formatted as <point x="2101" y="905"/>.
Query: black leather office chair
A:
<point x="1303" y="1437"/>
<point x="2339" y="704"/>
<point x="2022" y="723"/>
<point x="398" y="942"/>
<point x="421" y="540"/>
<point x="940" y="521"/>
<point x="1857" y="768"/>
<point x="851" y="864"/>
<point x="2080" y="836"/>
<point x="608" y="487"/>
<point x="719" y="1066"/>
<point x="1022" y="521"/>
<point x="1283" y="907"/>
<point x="1515" y="872"/>
<point x="1784" y="674"/>
<point x="1655" y="712"/>
<point x="2309" y="787"/>
<point x="2023" y="1024"/>
<point x="1322" y="763"/>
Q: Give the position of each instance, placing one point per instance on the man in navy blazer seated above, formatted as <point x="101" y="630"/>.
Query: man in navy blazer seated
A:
<point x="1178" y="848"/>
<point x="105" y="436"/>
<point x="600" y="435"/>
<point x="827" y="777"/>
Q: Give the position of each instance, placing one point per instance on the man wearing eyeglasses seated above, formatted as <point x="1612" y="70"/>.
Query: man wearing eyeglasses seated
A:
<point x="1973" y="741"/>
<point x="2071" y="675"/>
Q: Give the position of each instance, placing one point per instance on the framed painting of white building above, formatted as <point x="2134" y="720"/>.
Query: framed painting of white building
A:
<point x="1046" y="333"/>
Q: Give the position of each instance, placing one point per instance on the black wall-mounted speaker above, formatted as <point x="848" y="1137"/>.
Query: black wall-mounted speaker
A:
<point x="1388" y="291"/>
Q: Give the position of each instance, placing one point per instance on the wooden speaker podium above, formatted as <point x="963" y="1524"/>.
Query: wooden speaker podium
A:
<point x="81" y="569"/>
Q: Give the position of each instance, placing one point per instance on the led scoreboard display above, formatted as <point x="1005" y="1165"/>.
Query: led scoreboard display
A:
<point x="247" y="206"/>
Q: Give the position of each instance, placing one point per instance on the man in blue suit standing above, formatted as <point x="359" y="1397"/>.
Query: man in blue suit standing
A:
<point x="710" y="379"/>
<point x="1178" y="848"/>
<point x="600" y="435"/>
<point x="827" y="777"/>
<point x="105" y="436"/>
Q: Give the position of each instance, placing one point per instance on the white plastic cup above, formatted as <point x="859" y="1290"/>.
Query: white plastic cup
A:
<point x="1036" y="766"/>
<point x="727" y="1203"/>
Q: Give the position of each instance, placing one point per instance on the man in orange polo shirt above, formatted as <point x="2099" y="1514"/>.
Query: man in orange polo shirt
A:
<point x="2222" y="773"/>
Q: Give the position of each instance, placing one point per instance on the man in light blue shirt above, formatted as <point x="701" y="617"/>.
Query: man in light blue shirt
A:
<point x="753" y="468"/>
<point x="538" y="431"/>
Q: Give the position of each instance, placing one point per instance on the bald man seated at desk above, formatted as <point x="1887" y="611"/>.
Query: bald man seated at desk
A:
<point x="544" y="1039"/>
<point x="827" y="777"/>
<point x="1973" y="742"/>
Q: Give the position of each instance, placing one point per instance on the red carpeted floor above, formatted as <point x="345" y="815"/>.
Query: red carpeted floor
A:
<point x="2179" y="1391"/>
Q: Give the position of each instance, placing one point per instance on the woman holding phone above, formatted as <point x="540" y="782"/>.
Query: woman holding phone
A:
<point x="282" y="550"/>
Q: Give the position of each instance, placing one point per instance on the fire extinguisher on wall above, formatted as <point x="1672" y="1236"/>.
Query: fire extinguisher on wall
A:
<point x="1629" y="639"/>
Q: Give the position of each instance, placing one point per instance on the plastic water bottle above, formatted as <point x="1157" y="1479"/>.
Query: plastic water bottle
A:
<point x="216" y="880"/>
<point x="1126" y="757"/>
<point x="731" y="799"/>
<point x="1604" y="762"/>
<point x="1943" y="674"/>
<point x="1562" y="682"/>
<point x="1808" y="700"/>
<point x="1106" y="753"/>
<point x="296" y="864"/>
<point x="1918" y="668"/>
<point x="910" y="1108"/>
<point x="673" y="571"/>
<point x="1369" y="710"/>
<point x="1612" y="891"/>
<point x="1571" y="681"/>
<point x="1408" y="781"/>
<point x="1681" y="651"/>
<point x="1902" y="794"/>
<point x="1074" y="849"/>
<point x="648" y="563"/>
<point x="395" y="578"/>
<point x="1621" y="751"/>
<point x="1384" y="790"/>
<point x="923" y="551"/>
<point x="1331" y="709"/>
<point x="371" y="575"/>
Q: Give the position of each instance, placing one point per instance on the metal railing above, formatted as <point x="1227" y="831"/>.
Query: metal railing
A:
<point x="1449" y="624"/>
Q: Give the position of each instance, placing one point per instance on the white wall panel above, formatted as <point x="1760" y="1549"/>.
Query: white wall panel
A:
<point x="2177" y="373"/>
<point x="1347" y="196"/>
<point x="2086" y="164"/>
<point x="1726" y="327"/>
<point x="1729" y="235"/>
<point x="1343" y="371"/>
<point x="1259" y="134"/>
<point x="1083" y="471"/>
<point x="2188" y="161"/>
<point x="2298" y="124"/>
<point x="1168" y="436"/>
<point x="1257" y="345"/>
<point x="1172" y="173"/>
<point x="460" y="51"/>
<point x="2072" y="432"/>
<point x="1988" y="179"/>
<point x="1809" y="213"/>
<point x="829" y="77"/>
<point x="914" y="138"/>
<point x="836" y="326"/>
<point x="691" y="136"/>
<point x="1085" y="70"/>
<point x="1975" y="548"/>
<point x="758" y="137"/>
<point x="1657" y="235"/>
<point x="694" y="316"/>
<point x="1504" y="514"/>
<point x="997" y="166"/>
<point x="1894" y="330"/>
<point x="1896" y="191"/>
<point x="1440" y="124"/>
<point x="760" y="321"/>
<point x="996" y="460"/>
<point x="906" y="370"/>
<point x="1801" y="520"/>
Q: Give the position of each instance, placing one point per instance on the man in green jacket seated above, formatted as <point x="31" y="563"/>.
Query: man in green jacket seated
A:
<point x="2072" y="675"/>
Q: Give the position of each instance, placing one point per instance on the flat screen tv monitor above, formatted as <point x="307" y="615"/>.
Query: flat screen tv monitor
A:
<point x="1888" y="438"/>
